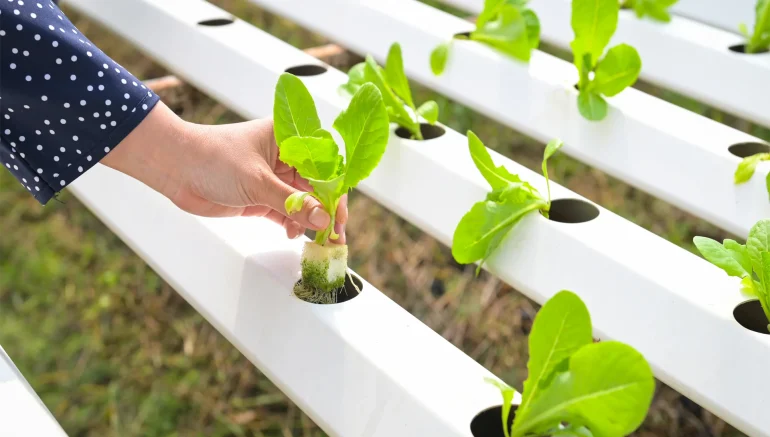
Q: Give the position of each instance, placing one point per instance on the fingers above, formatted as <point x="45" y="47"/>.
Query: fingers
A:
<point x="312" y="214"/>
<point x="342" y="210"/>
<point x="293" y="229"/>
<point x="339" y="229"/>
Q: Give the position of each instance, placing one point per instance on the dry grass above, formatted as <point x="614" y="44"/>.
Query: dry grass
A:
<point x="113" y="351"/>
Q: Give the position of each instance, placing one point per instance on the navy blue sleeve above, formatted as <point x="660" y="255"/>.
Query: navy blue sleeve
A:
<point x="63" y="103"/>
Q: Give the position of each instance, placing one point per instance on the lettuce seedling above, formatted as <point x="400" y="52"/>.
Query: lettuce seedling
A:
<point x="576" y="387"/>
<point x="506" y="25"/>
<point x="750" y="262"/>
<point x="748" y="166"/>
<point x="594" y="22"/>
<point x="312" y="151"/>
<point x="759" y="41"/>
<point x="655" y="9"/>
<point x="482" y="228"/>
<point x="394" y="86"/>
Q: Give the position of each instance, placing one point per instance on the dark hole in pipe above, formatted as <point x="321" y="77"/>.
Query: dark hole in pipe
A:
<point x="216" y="22"/>
<point x="307" y="70"/>
<point x="572" y="211"/>
<point x="744" y="150"/>
<point x="489" y="423"/>
<point x="429" y="132"/>
<point x="741" y="48"/>
<point x="462" y="35"/>
<point x="751" y="316"/>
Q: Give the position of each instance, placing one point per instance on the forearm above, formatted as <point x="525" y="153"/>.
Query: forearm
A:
<point x="156" y="151"/>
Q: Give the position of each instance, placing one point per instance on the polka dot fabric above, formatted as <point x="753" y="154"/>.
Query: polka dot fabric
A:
<point x="63" y="103"/>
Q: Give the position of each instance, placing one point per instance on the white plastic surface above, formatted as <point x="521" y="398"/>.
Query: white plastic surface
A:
<point x="683" y="55"/>
<point x="673" y="306"/>
<point x="668" y="151"/>
<point x="726" y="14"/>
<point x="22" y="413"/>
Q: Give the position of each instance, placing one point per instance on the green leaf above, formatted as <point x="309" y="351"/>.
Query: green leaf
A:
<point x="767" y="184"/>
<point x="490" y="11"/>
<point x="356" y="78"/>
<point x="561" y="328"/>
<point x="658" y="13"/>
<point x="313" y="157"/>
<point x="294" y="202"/>
<point x="507" y="33"/>
<point x="395" y="107"/>
<point x="748" y="166"/>
<point x="655" y="9"/>
<point x="508" y="393"/>
<point x="720" y="256"/>
<point x="592" y="106"/>
<point x="364" y="128"/>
<point x="439" y="57"/>
<point x="618" y="70"/>
<point x="764" y="278"/>
<point x="533" y="27"/>
<point x="594" y="22"/>
<point x="294" y="112"/>
<point x="498" y="177"/>
<point x="394" y="73"/>
<point x="608" y="389"/>
<point x="482" y="229"/>
<point x="740" y="252"/>
<point x="759" y="40"/>
<point x="744" y="30"/>
<point x="758" y="242"/>
<point x="749" y="288"/>
<point x="552" y="147"/>
<point x="329" y="193"/>
<point x="429" y="111"/>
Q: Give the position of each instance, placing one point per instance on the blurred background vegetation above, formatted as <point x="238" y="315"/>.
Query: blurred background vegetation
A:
<point x="113" y="351"/>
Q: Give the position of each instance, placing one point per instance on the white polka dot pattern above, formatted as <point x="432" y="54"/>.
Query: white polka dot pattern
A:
<point x="56" y="99"/>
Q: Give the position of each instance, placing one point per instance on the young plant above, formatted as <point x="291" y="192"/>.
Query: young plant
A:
<point x="748" y="166"/>
<point x="745" y="261"/>
<point x="655" y="9"/>
<point x="594" y="22"/>
<point x="312" y="151"/>
<point x="394" y="86"/>
<point x="482" y="228"/>
<point x="577" y="387"/>
<point x="759" y="41"/>
<point x="506" y="25"/>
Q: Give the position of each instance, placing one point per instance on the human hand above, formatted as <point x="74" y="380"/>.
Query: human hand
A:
<point x="220" y="171"/>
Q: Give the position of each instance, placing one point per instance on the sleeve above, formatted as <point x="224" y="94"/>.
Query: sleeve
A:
<point x="63" y="103"/>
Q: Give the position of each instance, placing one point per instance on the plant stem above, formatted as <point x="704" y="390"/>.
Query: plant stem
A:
<point x="417" y="133"/>
<point x="756" y="38"/>
<point x="322" y="237"/>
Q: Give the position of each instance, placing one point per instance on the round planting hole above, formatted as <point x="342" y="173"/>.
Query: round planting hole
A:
<point x="346" y="293"/>
<point x="462" y="35"/>
<point x="744" y="150"/>
<point x="429" y="132"/>
<point x="307" y="70"/>
<point x="572" y="211"/>
<point x="750" y="315"/>
<point x="489" y="423"/>
<point x="216" y="22"/>
<point x="741" y="48"/>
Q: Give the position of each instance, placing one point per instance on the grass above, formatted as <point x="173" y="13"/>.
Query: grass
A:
<point x="113" y="351"/>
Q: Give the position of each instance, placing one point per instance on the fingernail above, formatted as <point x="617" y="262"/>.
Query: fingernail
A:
<point x="319" y="218"/>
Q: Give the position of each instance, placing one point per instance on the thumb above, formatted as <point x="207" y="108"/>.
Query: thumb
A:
<point x="312" y="215"/>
